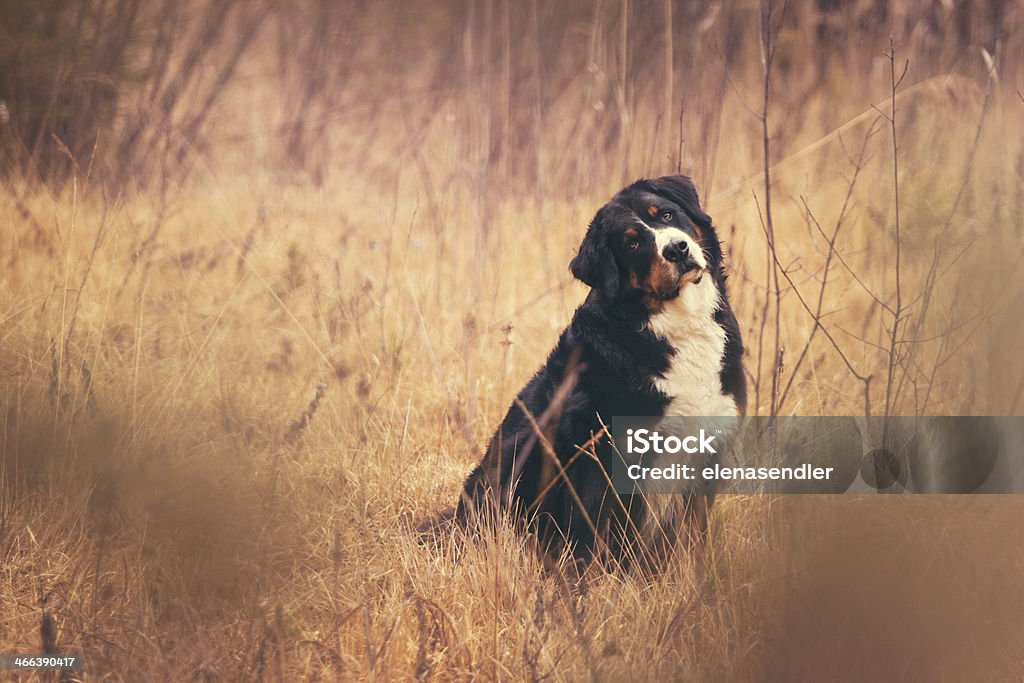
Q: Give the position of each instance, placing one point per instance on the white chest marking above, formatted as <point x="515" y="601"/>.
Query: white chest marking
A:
<point x="693" y="378"/>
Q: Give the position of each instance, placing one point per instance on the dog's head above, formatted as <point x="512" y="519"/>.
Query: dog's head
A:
<point x="651" y="240"/>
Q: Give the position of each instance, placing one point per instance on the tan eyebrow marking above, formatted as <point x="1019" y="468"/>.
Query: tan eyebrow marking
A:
<point x="652" y="210"/>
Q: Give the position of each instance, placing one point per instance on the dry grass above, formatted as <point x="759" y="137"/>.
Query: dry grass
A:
<point x="222" y="406"/>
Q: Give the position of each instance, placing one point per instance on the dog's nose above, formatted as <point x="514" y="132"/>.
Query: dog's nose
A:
<point x="675" y="252"/>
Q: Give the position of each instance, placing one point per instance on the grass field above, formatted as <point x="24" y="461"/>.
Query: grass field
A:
<point x="226" y="397"/>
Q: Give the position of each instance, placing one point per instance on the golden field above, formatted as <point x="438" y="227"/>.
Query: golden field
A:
<point x="238" y="367"/>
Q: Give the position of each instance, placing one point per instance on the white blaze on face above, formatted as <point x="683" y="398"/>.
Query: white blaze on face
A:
<point x="666" y="236"/>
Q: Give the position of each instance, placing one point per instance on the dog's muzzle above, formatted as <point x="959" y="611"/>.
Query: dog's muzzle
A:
<point x="679" y="254"/>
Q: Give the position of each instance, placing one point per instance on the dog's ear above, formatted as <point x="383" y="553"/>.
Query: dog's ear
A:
<point x="681" y="190"/>
<point x="594" y="263"/>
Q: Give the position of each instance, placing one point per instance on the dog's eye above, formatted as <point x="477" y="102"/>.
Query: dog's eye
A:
<point x="633" y="244"/>
<point x="667" y="216"/>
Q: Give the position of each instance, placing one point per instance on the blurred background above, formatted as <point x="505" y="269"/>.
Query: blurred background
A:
<point x="525" y="95"/>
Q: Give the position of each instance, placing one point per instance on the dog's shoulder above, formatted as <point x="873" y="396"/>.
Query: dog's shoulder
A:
<point x="621" y="352"/>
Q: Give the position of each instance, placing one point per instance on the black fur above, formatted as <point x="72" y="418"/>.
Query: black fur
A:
<point x="602" y="366"/>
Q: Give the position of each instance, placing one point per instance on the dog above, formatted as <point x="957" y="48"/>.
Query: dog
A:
<point x="655" y="336"/>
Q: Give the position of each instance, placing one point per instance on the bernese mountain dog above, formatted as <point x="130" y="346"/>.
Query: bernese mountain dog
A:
<point x="654" y="337"/>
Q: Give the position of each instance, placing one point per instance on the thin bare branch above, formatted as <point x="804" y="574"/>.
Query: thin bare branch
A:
<point x="828" y="261"/>
<point x="835" y="345"/>
<point x="890" y="397"/>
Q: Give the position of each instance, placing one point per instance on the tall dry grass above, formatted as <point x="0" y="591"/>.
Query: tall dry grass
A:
<point x="227" y="398"/>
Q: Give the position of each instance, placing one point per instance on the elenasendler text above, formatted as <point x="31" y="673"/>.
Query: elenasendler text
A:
<point x="644" y="441"/>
